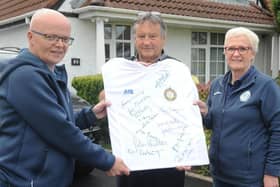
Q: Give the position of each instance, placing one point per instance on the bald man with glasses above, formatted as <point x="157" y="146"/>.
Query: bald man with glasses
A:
<point x="40" y="136"/>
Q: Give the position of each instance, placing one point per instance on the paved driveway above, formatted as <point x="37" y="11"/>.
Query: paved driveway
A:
<point x="96" y="178"/>
<point x="99" y="179"/>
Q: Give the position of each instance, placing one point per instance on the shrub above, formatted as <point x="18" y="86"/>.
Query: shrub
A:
<point x="203" y="91"/>
<point x="277" y="79"/>
<point x="88" y="87"/>
<point x="276" y="13"/>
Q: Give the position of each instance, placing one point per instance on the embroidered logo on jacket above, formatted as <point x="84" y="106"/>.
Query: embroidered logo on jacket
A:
<point x="245" y="96"/>
<point x="217" y="93"/>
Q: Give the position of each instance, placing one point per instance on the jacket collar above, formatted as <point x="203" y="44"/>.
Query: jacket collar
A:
<point x="248" y="78"/>
<point x="59" y="70"/>
<point x="162" y="57"/>
<point x="25" y="57"/>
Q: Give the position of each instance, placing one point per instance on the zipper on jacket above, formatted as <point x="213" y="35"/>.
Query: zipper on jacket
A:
<point x="249" y="155"/>
<point x="221" y="128"/>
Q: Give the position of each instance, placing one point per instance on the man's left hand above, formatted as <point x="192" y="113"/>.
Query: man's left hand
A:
<point x="100" y="109"/>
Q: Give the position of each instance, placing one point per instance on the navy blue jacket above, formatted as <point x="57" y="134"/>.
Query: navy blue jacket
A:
<point x="38" y="134"/>
<point x="245" y="142"/>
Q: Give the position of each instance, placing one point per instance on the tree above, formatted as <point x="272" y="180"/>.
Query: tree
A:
<point x="276" y="13"/>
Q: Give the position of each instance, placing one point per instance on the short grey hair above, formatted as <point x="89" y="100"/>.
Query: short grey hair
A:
<point x="242" y="31"/>
<point x="152" y="17"/>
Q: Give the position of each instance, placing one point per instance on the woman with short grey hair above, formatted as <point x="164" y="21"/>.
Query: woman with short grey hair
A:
<point x="243" y="111"/>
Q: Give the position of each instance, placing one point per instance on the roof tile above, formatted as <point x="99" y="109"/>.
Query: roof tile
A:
<point x="14" y="8"/>
<point x="198" y="8"/>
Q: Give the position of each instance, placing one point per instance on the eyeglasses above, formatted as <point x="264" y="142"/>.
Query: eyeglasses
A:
<point x="241" y="50"/>
<point x="55" y="38"/>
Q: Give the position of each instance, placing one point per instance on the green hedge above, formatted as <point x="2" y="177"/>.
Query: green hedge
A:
<point x="276" y="12"/>
<point x="88" y="87"/>
<point x="277" y="79"/>
<point x="203" y="90"/>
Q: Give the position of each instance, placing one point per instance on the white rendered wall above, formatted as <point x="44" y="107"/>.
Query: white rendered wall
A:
<point x="14" y="36"/>
<point x="263" y="57"/>
<point x="178" y="44"/>
<point x="83" y="48"/>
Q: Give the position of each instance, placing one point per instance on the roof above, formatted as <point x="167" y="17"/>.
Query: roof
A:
<point x="198" y="8"/>
<point x="14" y="8"/>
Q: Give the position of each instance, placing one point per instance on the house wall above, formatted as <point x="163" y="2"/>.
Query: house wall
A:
<point x="275" y="55"/>
<point x="84" y="46"/>
<point x="14" y="36"/>
<point x="178" y="44"/>
<point x="263" y="57"/>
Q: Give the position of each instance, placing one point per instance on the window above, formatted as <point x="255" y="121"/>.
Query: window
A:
<point x="108" y="39"/>
<point x="207" y="57"/>
<point x="117" y="41"/>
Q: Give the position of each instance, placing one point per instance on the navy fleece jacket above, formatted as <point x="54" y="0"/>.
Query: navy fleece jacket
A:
<point x="245" y="122"/>
<point x="39" y="137"/>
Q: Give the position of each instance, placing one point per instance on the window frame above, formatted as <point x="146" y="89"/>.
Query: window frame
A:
<point x="113" y="41"/>
<point x="207" y="48"/>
